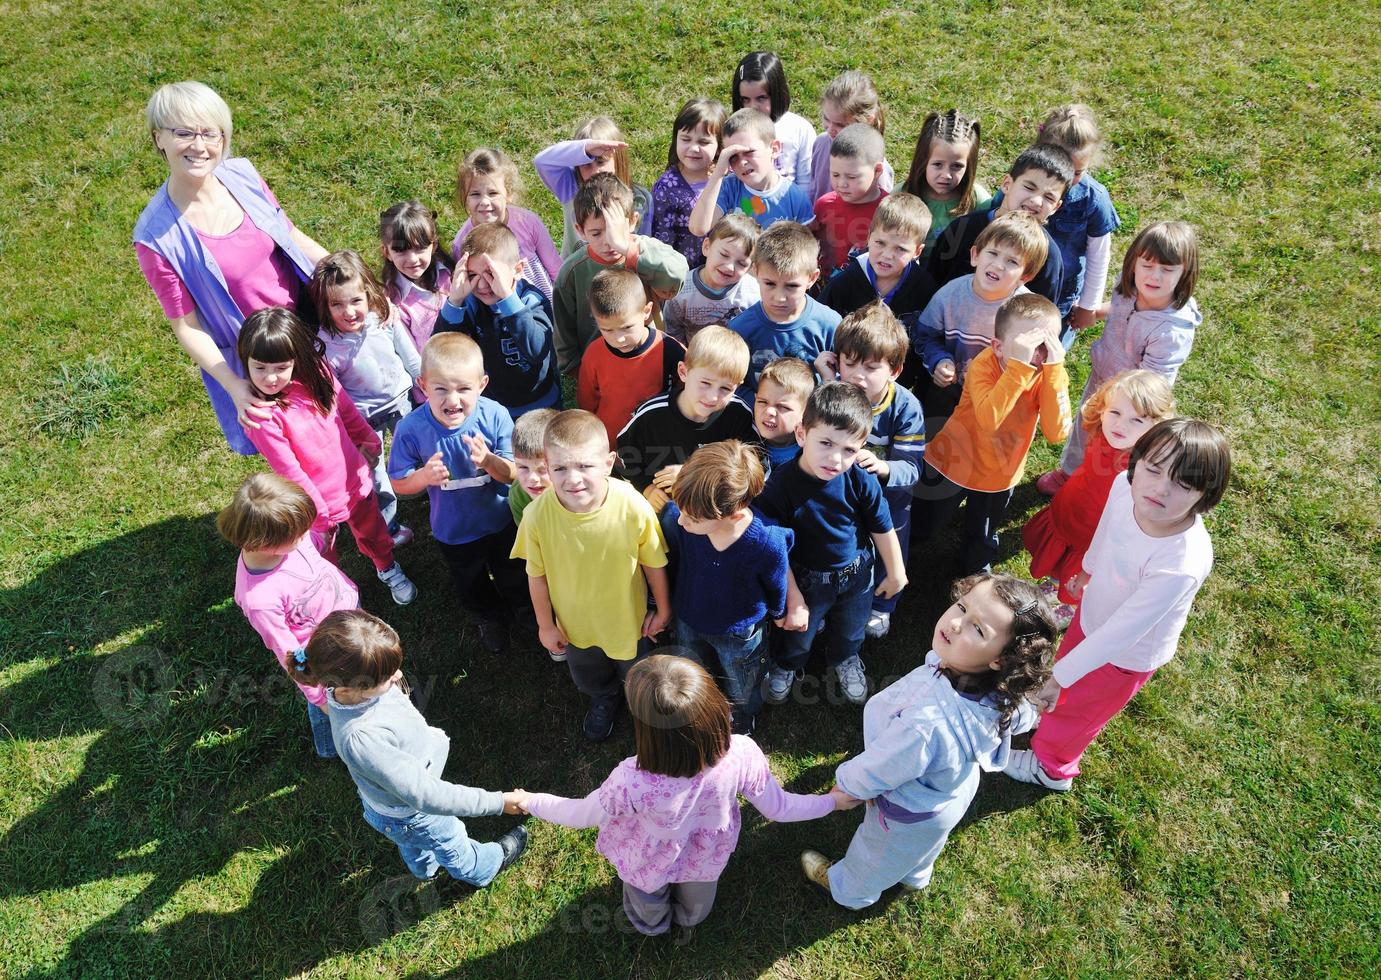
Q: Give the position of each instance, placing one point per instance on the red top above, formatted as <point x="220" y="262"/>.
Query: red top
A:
<point x="843" y="226"/>
<point x="613" y="385"/>
<point x="1079" y="503"/>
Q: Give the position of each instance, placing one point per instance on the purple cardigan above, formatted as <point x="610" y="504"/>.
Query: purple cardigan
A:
<point x="162" y="229"/>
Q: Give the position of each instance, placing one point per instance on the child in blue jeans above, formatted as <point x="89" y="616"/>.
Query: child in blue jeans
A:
<point x="834" y="507"/>
<point x="396" y="758"/>
<point x="731" y="571"/>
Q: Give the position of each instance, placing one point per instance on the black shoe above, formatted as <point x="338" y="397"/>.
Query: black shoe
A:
<point x="513" y="843"/>
<point x="599" y="720"/>
<point x="493" y="635"/>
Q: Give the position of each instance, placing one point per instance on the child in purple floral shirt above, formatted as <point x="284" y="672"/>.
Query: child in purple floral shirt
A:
<point x="668" y="817"/>
<point x="694" y="146"/>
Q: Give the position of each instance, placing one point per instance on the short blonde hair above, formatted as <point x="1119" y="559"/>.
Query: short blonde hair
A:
<point x="792" y="375"/>
<point x="902" y="214"/>
<point x="750" y="122"/>
<point x="1148" y="392"/>
<point x="788" y="248"/>
<point x="719" y="479"/>
<point x="575" y="429"/>
<point x="492" y="239"/>
<point x="737" y="227"/>
<point x="188" y="104"/>
<point x="1021" y="310"/>
<point x="721" y="352"/>
<point x="267" y="511"/>
<point x="450" y="351"/>
<point x="1022" y="234"/>
<point x="529" y="431"/>
<point x="487" y="161"/>
<point x="873" y="333"/>
<point x="614" y="292"/>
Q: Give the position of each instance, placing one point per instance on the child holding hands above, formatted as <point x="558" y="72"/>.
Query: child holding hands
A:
<point x="668" y="817"/>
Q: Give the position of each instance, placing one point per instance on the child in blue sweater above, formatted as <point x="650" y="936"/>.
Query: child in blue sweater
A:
<point x="508" y="317"/>
<point x="731" y="571"/>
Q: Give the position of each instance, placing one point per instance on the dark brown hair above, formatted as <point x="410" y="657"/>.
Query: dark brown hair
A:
<point x="957" y="129"/>
<point x="411" y="224"/>
<point x="350" y="648"/>
<point x="1027" y="657"/>
<point x="267" y="511"/>
<point x="1196" y="453"/>
<point x="763" y="66"/>
<point x="274" y="335"/>
<point x="599" y="196"/>
<point x="694" y="114"/>
<point x="342" y="269"/>
<point x="680" y="717"/>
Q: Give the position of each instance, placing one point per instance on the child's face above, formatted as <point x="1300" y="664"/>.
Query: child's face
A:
<point x="971" y="633"/>
<point x="1155" y="282"/>
<point x="625" y="332"/>
<point x="609" y="235"/>
<point x="833" y="119"/>
<point x="726" y="260"/>
<point x="754" y="96"/>
<point x="492" y="278"/>
<point x="580" y="475"/>
<point x="453" y="391"/>
<point x="348" y="306"/>
<point x="827" y="452"/>
<point x="1122" y="424"/>
<point x="270" y="378"/>
<point x="944" y="170"/>
<point x="854" y="180"/>
<point x="1081" y="161"/>
<point x="599" y="165"/>
<point x="532" y="474"/>
<point x="872" y="375"/>
<point x="753" y="164"/>
<point x="696" y="149"/>
<point x="486" y="199"/>
<point x="1161" y="506"/>
<point x="997" y="271"/>
<point x="783" y="296"/>
<point x="777" y="412"/>
<point x="705" y="392"/>
<point x="1035" y="192"/>
<point x="889" y="252"/>
<point x="411" y="262"/>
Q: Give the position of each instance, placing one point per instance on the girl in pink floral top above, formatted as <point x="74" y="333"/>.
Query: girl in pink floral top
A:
<point x="668" y="818"/>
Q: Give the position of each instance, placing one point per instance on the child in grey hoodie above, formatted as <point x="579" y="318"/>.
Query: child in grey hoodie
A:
<point x="396" y="758"/>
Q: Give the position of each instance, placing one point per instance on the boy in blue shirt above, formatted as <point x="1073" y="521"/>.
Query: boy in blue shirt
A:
<point x="507" y="317"/>
<point x="870" y="352"/>
<point x="459" y="449"/>
<point x="749" y="146"/>
<point x="785" y="322"/>
<point x="834" y="507"/>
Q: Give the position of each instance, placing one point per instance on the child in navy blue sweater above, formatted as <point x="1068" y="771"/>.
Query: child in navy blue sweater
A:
<point x="732" y="571"/>
<point x="508" y="317"/>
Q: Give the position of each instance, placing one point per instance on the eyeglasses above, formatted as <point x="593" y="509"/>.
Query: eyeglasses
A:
<point x="190" y="135"/>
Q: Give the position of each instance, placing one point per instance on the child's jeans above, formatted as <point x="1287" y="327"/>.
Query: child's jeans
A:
<point x="940" y="499"/>
<point x="742" y="659"/>
<point x="383" y="423"/>
<point x="685" y="903"/>
<point x="846" y="596"/>
<point x="472" y="563"/>
<point x="429" y="841"/>
<point x="899" y="503"/>
<point x="322" y="741"/>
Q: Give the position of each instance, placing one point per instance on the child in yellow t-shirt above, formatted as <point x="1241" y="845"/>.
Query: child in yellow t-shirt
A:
<point x="593" y="549"/>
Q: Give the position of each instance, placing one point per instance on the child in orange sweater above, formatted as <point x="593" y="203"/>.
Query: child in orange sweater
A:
<point x="980" y="454"/>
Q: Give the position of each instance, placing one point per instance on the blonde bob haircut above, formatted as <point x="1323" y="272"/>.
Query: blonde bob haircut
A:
<point x="719" y="480"/>
<point x="1148" y="392"/>
<point x="721" y="352"/>
<point x="189" y="104"/>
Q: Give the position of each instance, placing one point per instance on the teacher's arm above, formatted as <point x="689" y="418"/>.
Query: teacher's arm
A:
<point x="314" y="252"/>
<point x="207" y="356"/>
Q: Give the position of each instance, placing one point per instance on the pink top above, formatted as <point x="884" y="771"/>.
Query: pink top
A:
<point x="256" y="272"/>
<point x="418" y="307"/>
<point x="320" y="452"/>
<point x="285" y="603"/>
<point x="534" y="245"/>
<point x="659" y="829"/>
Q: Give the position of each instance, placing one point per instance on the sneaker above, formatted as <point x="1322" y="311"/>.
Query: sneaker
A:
<point x="599" y="720"/>
<point x="513" y="843"/>
<point x="399" y="584"/>
<point x="816" y="867"/>
<point x="1050" y="483"/>
<point x="1064" y="615"/>
<point x="878" y="625"/>
<point x="852" y="680"/>
<point x="402" y="536"/>
<point x="778" y="685"/>
<point x="1023" y="766"/>
<point x="493" y="636"/>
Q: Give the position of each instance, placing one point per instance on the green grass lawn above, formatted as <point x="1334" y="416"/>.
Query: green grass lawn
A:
<point x="160" y="812"/>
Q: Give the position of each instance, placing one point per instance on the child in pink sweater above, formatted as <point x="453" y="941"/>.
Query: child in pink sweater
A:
<point x="316" y="437"/>
<point x="668" y="817"/>
<point x="282" y="584"/>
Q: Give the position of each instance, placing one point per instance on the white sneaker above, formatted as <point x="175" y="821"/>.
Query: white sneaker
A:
<point x="399" y="584"/>
<point x="852" y="681"/>
<point x="1022" y="765"/>
<point x="878" y="625"/>
<point x="778" y="685"/>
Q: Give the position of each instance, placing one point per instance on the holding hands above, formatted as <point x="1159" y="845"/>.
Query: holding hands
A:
<point x="842" y="800"/>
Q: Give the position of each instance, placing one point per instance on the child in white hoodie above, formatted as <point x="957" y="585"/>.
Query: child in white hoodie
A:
<point x="927" y="737"/>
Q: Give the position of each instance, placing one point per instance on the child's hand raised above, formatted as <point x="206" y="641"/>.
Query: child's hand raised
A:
<point x="515" y="801"/>
<point x="599" y="149"/>
<point x="461" y="284"/>
<point x="944" y="373"/>
<point x="726" y="157"/>
<point x="434" y="470"/>
<point x="501" y="275"/>
<point x="478" y="449"/>
<point x="1054" y="350"/>
<point x="842" y="800"/>
<point x="827" y="365"/>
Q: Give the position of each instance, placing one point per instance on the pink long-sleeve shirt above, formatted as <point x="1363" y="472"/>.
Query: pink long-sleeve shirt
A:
<point x="285" y="603"/>
<point x="319" y="451"/>
<point x="658" y="829"/>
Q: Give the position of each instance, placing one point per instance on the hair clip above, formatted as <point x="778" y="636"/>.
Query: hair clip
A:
<point x="1026" y="607"/>
<point x="300" y="656"/>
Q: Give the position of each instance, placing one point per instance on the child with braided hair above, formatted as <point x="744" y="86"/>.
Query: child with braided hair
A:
<point x="944" y="169"/>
